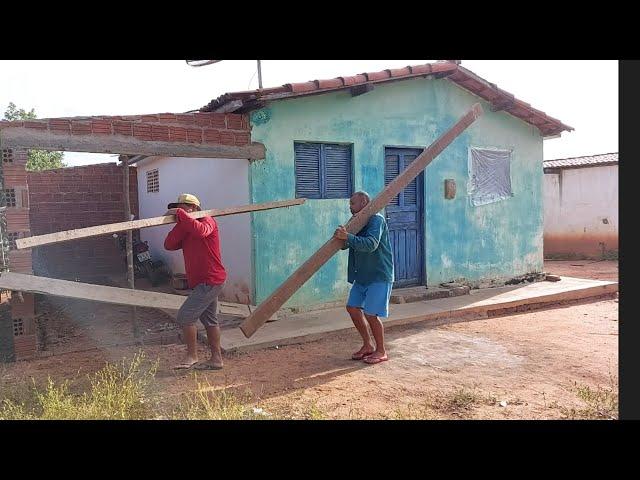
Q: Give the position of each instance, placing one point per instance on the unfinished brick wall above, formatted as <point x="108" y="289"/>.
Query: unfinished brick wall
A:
<point x="211" y="128"/>
<point x="21" y="312"/>
<point x="68" y="198"/>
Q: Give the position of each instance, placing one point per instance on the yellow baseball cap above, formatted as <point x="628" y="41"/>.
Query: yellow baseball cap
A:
<point x="185" y="198"/>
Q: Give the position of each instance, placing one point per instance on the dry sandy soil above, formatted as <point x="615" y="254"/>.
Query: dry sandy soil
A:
<point x="552" y="364"/>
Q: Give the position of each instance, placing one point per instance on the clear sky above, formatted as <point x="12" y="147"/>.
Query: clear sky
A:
<point x="580" y="93"/>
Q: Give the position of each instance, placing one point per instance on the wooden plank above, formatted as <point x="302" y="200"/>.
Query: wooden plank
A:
<point x="266" y="309"/>
<point x="101" y="293"/>
<point x="67" y="235"/>
<point x="127" y="216"/>
<point x="85" y="291"/>
<point x="20" y="137"/>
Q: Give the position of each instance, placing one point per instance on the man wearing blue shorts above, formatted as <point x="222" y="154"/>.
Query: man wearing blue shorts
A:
<point x="371" y="273"/>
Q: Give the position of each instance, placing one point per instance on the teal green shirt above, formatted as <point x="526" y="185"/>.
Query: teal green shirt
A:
<point x="370" y="255"/>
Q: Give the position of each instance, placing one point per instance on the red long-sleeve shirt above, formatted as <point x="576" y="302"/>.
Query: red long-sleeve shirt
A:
<point x="200" y="244"/>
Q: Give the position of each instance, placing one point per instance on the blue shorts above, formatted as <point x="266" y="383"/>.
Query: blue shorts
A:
<point x="372" y="298"/>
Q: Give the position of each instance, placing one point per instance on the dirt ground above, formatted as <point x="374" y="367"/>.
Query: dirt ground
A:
<point x="551" y="364"/>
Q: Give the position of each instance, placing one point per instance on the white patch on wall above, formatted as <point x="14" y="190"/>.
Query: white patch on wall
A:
<point x="218" y="183"/>
<point x="446" y="261"/>
<point x="489" y="175"/>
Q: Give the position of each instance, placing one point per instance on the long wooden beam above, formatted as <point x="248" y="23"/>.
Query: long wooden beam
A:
<point x="266" y="309"/>
<point x="67" y="235"/>
<point x="100" y="293"/>
<point x="20" y="137"/>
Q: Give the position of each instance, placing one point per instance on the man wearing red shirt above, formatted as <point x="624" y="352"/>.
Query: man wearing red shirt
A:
<point x="199" y="240"/>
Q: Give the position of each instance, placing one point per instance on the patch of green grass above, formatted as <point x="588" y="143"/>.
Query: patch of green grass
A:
<point x="600" y="403"/>
<point x="462" y="399"/>
<point x="209" y="403"/>
<point x="459" y="402"/>
<point x="116" y="392"/>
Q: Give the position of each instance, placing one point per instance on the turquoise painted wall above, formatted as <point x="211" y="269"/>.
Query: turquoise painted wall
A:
<point x="495" y="241"/>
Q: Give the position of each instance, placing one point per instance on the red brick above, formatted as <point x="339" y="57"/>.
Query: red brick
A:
<point x="185" y="118"/>
<point x="202" y="119"/>
<point x="101" y="127"/>
<point x="160" y="132"/>
<point x="122" y="128"/>
<point x="242" y="138"/>
<point x="149" y="118"/>
<point x="226" y="138"/>
<point x="39" y="125"/>
<point x="141" y="131"/>
<point x="167" y="117"/>
<point x="81" y="128"/>
<point x="59" y="126"/>
<point x="234" y="121"/>
<point x="218" y="120"/>
<point x="245" y="122"/>
<point x="211" y="136"/>
<point x="194" y="135"/>
<point x="177" y="134"/>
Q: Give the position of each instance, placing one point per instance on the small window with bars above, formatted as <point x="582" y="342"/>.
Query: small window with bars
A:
<point x="12" y="237"/>
<point x="18" y="327"/>
<point x="10" y="196"/>
<point x="153" y="181"/>
<point x="7" y="155"/>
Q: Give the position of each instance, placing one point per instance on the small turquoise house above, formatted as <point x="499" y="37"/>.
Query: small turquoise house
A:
<point x="475" y="213"/>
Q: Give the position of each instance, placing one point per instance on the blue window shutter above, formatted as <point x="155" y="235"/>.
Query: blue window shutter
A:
<point x="337" y="171"/>
<point x="391" y="171"/>
<point x="411" y="190"/>
<point x="307" y="170"/>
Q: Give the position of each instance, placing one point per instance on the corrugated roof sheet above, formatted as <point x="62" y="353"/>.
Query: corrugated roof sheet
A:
<point x="588" y="161"/>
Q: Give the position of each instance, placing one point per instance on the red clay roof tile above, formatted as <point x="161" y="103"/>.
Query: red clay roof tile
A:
<point x="459" y="75"/>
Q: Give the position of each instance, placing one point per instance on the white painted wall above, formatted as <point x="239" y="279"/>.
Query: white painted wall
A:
<point x="217" y="183"/>
<point x="581" y="209"/>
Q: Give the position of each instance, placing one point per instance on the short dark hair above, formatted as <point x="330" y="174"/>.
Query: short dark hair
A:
<point x="362" y="194"/>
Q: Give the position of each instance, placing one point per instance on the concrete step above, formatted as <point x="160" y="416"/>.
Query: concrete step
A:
<point x="419" y="294"/>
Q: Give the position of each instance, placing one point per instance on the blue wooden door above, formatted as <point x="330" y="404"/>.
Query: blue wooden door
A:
<point x="405" y="219"/>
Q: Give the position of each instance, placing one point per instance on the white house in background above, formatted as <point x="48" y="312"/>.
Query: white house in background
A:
<point x="217" y="183"/>
<point x="581" y="206"/>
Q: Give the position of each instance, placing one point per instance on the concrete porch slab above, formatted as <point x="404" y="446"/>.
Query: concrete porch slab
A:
<point x="310" y="326"/>
<point x="415" y="294"/>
